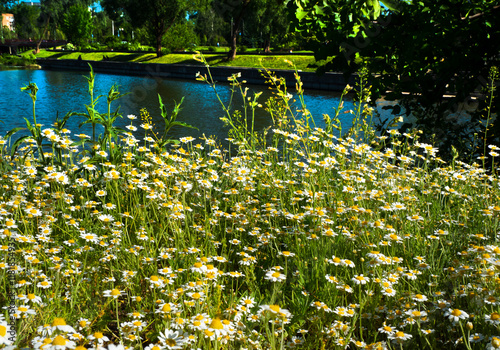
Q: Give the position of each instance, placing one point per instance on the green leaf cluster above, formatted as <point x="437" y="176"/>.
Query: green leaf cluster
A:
<point x="429" y="56"/>
<point x="77" y="24"/>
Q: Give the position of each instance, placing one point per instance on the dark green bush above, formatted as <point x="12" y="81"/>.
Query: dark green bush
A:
<point x="69" y="47"/>
<point x="180" y="37"/>
<point x="12" y="60"/>
<point x="111" y="42"/>
<point x="134" y="46"/>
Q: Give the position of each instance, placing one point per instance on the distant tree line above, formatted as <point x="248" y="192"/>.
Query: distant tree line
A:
<point x="167" y="25"/>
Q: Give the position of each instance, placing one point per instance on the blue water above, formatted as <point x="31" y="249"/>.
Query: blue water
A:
<point x="64" y="91"/>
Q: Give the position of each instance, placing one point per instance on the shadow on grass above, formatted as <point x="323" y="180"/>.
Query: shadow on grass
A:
<point x="55" y="56"/>
<point x="132" y="57"/>
<point x="211" y="60"/>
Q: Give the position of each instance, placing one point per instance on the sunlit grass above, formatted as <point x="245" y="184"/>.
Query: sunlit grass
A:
<point x="302" y="239"/>
<point x="251" y="61"/>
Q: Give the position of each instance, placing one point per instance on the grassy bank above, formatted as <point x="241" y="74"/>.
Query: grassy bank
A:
<point x="17" y="61"/>
<point x="302" y="62"/>
<point x="309" y="241"/>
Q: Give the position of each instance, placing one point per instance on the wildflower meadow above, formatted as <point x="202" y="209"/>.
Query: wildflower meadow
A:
<point x="292" y="237"/>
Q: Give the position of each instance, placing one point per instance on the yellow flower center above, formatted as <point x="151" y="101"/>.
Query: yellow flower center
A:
<point x="58" y="321"/>
<point x="98" y="335"/>
<point x="274" y="308"/>
<point x="216" y="324"/>
<point x="456" y="312"/>
<point x="495" y="316"/>
<point x="399" y="334"/>
<point x="115" y="292"/>
<point x="3" y="331"/>
<point x="59" y="340"/>
<point x="170" y="342"/>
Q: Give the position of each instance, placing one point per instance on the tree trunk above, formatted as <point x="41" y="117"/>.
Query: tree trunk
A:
<point x="39" y="41"/>
<point x="160" y="29"/>
<point x="232" y="52"/>
<point x="158" y="45"/>
<point x="267" y="45"/>
<point x="237" y="25"/>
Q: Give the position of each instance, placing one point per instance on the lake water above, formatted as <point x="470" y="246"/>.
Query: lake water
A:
<point x="64" y="91"/>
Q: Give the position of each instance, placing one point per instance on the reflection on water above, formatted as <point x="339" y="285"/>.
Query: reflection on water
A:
<point x="61" y="92"/>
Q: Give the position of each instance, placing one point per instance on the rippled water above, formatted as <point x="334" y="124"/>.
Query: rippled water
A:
<point x="64" y="91"/>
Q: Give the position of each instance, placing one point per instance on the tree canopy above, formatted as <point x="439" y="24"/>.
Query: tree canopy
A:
<point x="158" y="15"/>
<point x="26" y="18"/>
<point x="421" y="51"/>
<point x="77" y="24"/>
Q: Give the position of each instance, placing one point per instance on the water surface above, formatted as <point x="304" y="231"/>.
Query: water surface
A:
<point x="64" y="91"/>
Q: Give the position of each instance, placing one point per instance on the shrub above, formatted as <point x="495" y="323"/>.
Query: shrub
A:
<point x="134" y="46"/>
<point x="69" y="47"/>
<point x="181" y="36"/>
<point x="87" y="47"/>
<point x="111" y="42"/>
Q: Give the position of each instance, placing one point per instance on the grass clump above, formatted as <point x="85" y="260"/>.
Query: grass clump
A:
<point x="297" y="237"/>
<point x="17" y="61"/>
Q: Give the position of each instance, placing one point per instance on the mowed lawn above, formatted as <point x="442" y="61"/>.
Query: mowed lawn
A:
<point x="301" y="62"/>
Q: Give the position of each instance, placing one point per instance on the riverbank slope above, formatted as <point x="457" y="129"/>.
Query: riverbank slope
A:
<point x="302" y="62"/>
<point x="137" y="64"/>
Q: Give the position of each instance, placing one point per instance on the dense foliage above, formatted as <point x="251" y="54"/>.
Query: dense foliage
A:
<point x="422" y="52"/>
<point x="157" y="15"/>
<point x="174" y="25"/>
<point x="77" y="24"/>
